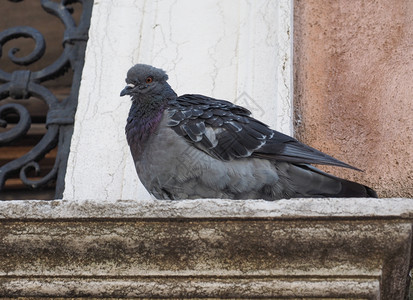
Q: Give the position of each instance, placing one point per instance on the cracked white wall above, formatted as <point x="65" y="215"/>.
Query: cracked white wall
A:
<point x="238" y="50"/>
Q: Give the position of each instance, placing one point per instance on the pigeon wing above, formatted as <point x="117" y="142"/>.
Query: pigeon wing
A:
<point x="227" y="131"/>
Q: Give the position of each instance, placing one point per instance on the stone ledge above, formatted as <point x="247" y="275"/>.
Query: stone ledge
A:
<point x="303" y="248"/>
<point x="315" y="208"/>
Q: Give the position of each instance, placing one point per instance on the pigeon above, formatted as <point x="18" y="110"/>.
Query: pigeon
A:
<point x="194" y="146"/>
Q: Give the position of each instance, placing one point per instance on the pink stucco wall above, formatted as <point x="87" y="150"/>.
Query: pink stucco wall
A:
<point x="353" y="89"/>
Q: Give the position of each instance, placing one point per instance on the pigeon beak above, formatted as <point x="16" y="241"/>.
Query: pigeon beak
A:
<point x="125" y="91"/>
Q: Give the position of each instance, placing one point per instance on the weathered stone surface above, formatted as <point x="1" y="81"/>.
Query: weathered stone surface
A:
<point x="208" y="208"/>
<point x="206" y="248"/>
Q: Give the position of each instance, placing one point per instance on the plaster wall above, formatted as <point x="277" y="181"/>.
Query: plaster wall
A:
<point x="353" y="89"/>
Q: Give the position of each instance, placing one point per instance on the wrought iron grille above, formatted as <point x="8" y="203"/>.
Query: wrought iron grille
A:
<point x="24" y="84"/>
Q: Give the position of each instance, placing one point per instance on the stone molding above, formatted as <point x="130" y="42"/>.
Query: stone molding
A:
<point x="302" y="248"/>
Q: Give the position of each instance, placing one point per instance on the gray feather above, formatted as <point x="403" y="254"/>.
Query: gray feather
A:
<point x="194" y="146"/>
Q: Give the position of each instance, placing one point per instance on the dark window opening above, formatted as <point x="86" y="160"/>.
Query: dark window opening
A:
<point x="33" y="163"/>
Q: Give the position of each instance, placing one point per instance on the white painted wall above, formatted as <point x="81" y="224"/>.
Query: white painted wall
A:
<point x="238" y="50"/>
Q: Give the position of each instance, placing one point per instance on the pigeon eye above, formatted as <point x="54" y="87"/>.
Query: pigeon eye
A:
<point x="149" y="79"/>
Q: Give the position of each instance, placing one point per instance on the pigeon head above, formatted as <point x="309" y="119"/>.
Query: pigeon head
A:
<point x="144" y="80"/>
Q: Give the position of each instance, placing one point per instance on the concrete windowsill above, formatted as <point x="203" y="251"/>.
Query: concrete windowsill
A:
<point x="359" y="248"/>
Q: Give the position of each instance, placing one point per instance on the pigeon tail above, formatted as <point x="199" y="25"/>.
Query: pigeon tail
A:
<point x="312" y="182"/>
